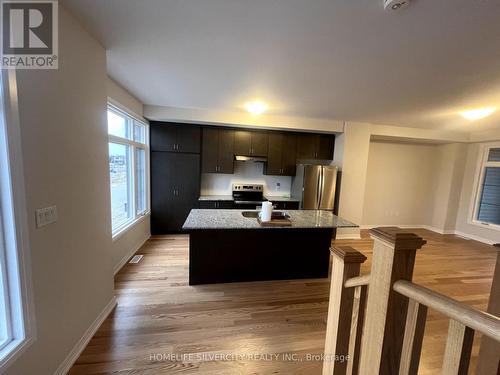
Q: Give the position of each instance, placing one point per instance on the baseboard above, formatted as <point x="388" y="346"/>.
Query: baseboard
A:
<point x="475" y="238"/>
<point x="73" y="355"/>
<point x="434" y="229"/>
<point x="129" y="255"/>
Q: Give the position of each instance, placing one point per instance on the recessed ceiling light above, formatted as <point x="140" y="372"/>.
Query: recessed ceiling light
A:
<point x="478" y="114"/>
<point x="256" y="107"/>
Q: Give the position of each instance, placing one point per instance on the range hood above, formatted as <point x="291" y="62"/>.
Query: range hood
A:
<point x="260" y="159"/>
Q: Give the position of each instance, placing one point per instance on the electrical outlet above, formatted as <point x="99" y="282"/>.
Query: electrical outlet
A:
<point x="278" y="186"/>
<point x="46" y="216"/>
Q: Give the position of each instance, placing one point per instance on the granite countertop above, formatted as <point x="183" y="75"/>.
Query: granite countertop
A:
<point x="215" y="198"/>
<point x="233" y="219"/>
<point x="280" y="199"/>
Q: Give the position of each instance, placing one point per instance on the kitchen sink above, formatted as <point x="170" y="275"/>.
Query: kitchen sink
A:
<point x="251" y="214"/>
<point x="276" y="215"/>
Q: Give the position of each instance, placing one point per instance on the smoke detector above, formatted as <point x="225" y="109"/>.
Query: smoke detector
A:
<point x="396" y="4"/>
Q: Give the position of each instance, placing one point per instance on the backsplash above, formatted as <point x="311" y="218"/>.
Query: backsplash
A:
<point x="244" y="172"/>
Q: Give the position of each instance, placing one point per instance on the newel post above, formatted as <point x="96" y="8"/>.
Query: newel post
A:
<point x="346" y="264"/>
<point x="488" y="362"/>
<point x="393" y="259"/>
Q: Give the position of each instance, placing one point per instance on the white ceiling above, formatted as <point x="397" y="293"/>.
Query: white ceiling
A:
<point x="330" y="59"/>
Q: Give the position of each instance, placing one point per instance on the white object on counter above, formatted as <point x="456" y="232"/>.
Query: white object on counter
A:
<point x="267" y="210"/>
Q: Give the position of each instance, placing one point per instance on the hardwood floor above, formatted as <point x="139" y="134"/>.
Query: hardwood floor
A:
<point x="159" y="315"/>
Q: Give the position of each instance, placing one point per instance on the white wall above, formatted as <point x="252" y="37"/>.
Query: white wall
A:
<point x="64" y="145"/>
<point x="353" y="162"/>
<point x="448" y="177"/>
<point x="463" y="225"/>
<point x="129" y="242"/>
<point x="399" y="183"/>
<point x="247" y="172"/>
<point x="118" y="95"/>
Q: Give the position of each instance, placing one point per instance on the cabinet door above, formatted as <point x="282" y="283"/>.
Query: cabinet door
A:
<point x="291" y="205"/>
<point x="289" y="155"/>
<point x="210" y="147"/>
<point x="307" y="146"/>
<point x="325" y="147"/>
<point x="208" y="205"/>
<point x="259" y="144"/>
<point x="226" y="151"/>
<point x="188" y="138"/>
<point x="187" y="182"/>
<point x="278" y="205"/>
<point x="242" y="142"/>
<point x="274" y="155"/>
<point x="163" y="136"/>
<point x="162" y="191"/>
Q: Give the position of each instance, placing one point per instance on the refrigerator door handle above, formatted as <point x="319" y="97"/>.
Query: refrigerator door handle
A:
<point x="320" y="187"/>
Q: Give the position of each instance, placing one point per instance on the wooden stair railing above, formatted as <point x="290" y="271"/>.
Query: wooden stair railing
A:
<point x="488" y="362"/>
<point x="346" y="264"/>
<point x="385" y="337"/>
<point x="464" y="320"/>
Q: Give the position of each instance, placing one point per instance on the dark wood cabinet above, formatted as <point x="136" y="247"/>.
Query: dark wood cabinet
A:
<point x="217" y="205"/>
<point x="281" y="154"/>
<point x="173" y="137"/>
<point x="175" y="188"/>
<point x="250" y="143"/>
<point x="292" y="205"/>
<point x="315" y="146"/>
<point x="218" y="150"/>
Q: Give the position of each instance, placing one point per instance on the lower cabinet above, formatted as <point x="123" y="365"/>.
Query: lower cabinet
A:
<point x="286" y="205"/>
<point x="175" y="189"/>
<point x="217" y="204"/>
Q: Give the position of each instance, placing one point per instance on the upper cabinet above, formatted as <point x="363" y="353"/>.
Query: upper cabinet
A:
<point x="315" y="146"/>
<point x="217" y="151"/>
<point x="281" y="155"/>
<point x="250" y="143"/>
<point x="173" y="137"/>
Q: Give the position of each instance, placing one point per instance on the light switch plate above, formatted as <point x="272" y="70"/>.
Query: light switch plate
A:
<point x="46" y="216"/>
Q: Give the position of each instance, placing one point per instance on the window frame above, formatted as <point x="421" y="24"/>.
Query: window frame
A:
<point x="131" y="120"/>
<point x="17" y="258"/>
<point x="482" y="164"/>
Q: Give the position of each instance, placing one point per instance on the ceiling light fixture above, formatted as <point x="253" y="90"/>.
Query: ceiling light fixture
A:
<point x="256" y="107"/>
<point x="478" y="114"/>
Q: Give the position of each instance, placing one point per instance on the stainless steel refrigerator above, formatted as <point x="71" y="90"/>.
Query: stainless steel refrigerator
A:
<point x="314" y="186"/>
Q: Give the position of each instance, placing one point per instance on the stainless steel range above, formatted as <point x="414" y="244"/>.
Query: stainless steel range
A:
<point x="248" y="196"/>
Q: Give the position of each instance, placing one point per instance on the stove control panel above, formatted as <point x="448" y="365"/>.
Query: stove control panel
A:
<point x="248" y="187"/>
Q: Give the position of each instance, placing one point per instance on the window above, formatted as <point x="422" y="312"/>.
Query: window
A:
<point x="128" y="168"/>
<point x="487" y="204"/>
<point x="16" y="319"/>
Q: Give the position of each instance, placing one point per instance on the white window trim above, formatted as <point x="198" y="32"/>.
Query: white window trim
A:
<point x="478" y="185"/>
<point x="137" y="217"/>
<point x="15" y="348"/>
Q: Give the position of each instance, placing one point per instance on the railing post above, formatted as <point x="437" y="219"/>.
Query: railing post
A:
<point x="346" y="264"/>
<point x="393" y="259"/>
<point x="488" y="362"/>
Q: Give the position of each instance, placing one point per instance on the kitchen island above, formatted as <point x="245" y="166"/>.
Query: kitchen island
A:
<point x="226" y="246"/>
